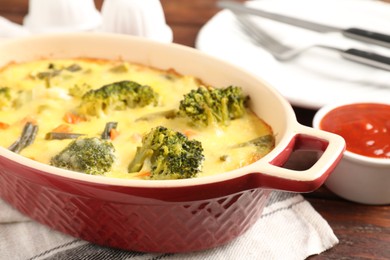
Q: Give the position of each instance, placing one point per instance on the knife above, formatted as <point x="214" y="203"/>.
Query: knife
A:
<point x="352" y="33"/>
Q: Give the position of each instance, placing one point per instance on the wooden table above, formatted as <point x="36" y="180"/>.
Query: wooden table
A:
<point x="364" y="231"/>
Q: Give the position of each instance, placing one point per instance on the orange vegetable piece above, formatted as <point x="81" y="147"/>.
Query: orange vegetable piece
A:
<point x="72" y="118"/>
<point x="3" y="125"/>
<point x="189" y="133"/>
<point x="63" y="128"/>
<point x="29" y="119"/>
<point x="143" y="174"/>
<point x="113" y="134"/>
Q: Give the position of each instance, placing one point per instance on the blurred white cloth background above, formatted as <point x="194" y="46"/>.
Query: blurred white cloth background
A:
<point x="133" y="17"/>
<point x="9" y="29"/>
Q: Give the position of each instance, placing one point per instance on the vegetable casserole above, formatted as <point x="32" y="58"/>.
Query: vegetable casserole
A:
<point x="126" y="120"/>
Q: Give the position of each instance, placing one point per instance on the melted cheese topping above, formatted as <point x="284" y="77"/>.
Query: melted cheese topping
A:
<point x="45" y="101"/>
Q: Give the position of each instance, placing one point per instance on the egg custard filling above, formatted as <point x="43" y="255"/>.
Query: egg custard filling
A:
<point x="119" y="119"/>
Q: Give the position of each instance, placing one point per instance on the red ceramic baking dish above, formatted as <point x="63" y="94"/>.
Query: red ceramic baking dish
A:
<point x="161" y="215"/>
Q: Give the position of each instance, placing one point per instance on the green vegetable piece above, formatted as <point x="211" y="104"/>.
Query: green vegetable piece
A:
<point x="264" y="144"/>
<point x="169" y="114"/>
<point x="117" y="96"/>
<point x="171" y="155"/>
<point x="121" y="68"/>
<point x="27" y="137"/>
<point x="79" y="90"/>
<point x="53" y="72"/>
<point x="73" y="68"/>
<point x="61" y="136"/>
<point x="206" y="106"/>
<point x="88" y="155"/>
<point x="107" y="129"/>
<point x="48" y="74"/>
<point x="5" y="97"/>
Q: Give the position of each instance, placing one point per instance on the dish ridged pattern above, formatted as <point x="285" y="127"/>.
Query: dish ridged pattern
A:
<point x="152" y="227"/>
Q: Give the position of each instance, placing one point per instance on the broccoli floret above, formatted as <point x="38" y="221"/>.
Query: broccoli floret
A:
<point x="171" y="155"/>
<point x="237" y="101"/>
<point x="5" y="97"/>
<point x="117" y="96"/>
<point x="88" y="155"/>
<point x="205" y="106"/>
<point x="79" y="90"/>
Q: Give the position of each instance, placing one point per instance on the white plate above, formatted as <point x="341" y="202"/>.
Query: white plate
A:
<point x="318" y="77"/>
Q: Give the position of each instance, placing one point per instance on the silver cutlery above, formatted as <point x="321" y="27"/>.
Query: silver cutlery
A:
<point x="283" y="52"/>
<point x="353" y="33"/>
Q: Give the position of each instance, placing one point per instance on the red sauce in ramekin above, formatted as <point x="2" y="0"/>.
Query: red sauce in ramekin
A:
<point x="364" y="126"/>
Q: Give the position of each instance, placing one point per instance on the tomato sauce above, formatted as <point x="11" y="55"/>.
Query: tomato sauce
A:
<point x="364" y="126"/>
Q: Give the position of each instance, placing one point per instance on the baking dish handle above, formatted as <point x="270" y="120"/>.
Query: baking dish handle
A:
<point x="275" y="176"/>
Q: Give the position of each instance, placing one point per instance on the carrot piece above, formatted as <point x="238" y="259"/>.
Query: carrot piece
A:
<point x="143" y="174"/>
<point x="113" y="134"/>
<point x="29" y="119"/>
<point x="189" y="133"/>
<point x="4" y="125"/>
<point x="72" y="118"/>
<point x="63" y="128"/>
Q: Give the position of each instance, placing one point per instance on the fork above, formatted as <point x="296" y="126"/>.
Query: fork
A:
<point x="283" y="52"/>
